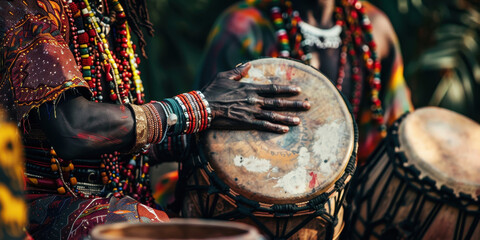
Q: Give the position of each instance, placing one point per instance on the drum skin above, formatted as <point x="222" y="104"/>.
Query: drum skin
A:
<point x="422" y="183"/>
<point x="292" y="167"/>
<point x="281" y="169"/>
<point x="176" y="229"/>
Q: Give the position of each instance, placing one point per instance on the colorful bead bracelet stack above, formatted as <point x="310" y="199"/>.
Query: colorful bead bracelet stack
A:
<point x="186" y="113"/>
<point x="192" y="112"/>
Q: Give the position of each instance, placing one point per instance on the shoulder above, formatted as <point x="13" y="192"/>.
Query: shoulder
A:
<point x="382" y="30"/>
<point x="241" y="17"/>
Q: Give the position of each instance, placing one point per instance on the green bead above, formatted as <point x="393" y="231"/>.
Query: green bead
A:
<point x="87" y="73"/>
<point x="83" y="51"/>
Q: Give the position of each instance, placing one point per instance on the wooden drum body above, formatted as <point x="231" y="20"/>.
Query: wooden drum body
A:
<point x="423" y="182"/>
<point x="288" y="185"/>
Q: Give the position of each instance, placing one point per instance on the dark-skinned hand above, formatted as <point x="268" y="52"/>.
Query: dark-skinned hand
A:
<point x="238" y="105"/>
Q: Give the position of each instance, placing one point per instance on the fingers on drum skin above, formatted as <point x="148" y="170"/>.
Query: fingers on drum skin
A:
<point x="278" y="89"/>
<point x="268" y="126"/>
<point x="278" y="118"/>
<point x="280" y="103"/>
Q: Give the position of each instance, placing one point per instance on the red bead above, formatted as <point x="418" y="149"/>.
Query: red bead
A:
<point x="356" y="77"/>
<point x="59" y="182"/>
<point x="92" y="33"/>
<point x="113" y="97"/>
<point x="73" y="7"/>
<point x="145" y="168"/>
<point x="121" y="15"/>
<point x="87" y="61"/>
<point x="83" y="38"/>
<point x="354" y="14"/>
<point x="100" y="47"/>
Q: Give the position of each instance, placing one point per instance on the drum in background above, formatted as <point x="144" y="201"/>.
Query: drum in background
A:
<point x="176" y="229"/>
<point x="423" y="182"/>
<point x="288" y="185"/>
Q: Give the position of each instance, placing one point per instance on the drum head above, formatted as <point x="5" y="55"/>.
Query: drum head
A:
<point x="444" y="146"/>
<point x="293" y="167"/>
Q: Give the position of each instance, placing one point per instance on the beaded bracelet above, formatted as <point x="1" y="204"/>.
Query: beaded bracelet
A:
<point x="171" y="118"/>
<point x="192" y="111"/>
<point x="158" y="123"/>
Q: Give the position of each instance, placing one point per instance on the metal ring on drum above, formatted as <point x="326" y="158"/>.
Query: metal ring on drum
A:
<point x="423" y="182"/>
<point x="289" y="185"/>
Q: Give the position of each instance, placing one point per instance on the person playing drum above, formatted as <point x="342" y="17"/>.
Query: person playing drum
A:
<point x="351" y="42"/>
<point x="69" y="78"/>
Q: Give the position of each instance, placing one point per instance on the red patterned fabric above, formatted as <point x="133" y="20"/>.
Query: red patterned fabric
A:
<point x="36" y="64"/>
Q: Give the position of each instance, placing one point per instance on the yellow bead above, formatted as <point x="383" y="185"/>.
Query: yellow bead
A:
<point x="54" y="167"/>
<point x="61" y="190"/>
<point x="73" y="180"/>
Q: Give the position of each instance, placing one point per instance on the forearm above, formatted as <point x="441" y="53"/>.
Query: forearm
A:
<point x="78" y="128"/>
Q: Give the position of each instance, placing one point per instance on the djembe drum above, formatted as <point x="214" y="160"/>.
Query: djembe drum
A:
<point x="288" y="185"/>
<point x="176" y="229"/>
<point x="423" y="182"/>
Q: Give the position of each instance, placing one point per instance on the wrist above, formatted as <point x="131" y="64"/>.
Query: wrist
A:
<point x="192" y="111"/>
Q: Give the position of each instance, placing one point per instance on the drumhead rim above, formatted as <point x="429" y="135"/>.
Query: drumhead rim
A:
<point x="440" y="178"/>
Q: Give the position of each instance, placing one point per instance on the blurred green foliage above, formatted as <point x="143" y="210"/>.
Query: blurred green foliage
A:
<point x="174" y="53"/>
<point x="440" y="42"/>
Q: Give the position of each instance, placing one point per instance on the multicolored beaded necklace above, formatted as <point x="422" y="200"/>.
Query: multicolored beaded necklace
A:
<point x="90" y="24"/>
<point x="357" y="41"/>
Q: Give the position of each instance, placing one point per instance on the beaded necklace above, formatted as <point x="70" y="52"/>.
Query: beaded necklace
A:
<point x="357" y="41"/>
<point x="115" y="62"/>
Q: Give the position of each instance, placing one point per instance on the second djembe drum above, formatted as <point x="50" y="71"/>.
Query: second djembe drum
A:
<point x="423" y="182"/>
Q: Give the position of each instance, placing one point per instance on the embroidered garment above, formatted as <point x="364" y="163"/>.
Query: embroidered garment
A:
<point x="61" y="217"/>
<point x="37" y="66"/>
<point x="245" y="32"/>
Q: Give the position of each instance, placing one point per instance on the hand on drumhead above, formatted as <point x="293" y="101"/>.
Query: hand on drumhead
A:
<point x="238" y="105"/>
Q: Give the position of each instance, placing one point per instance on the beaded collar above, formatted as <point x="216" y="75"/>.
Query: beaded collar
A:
<point x="320" y="38"/>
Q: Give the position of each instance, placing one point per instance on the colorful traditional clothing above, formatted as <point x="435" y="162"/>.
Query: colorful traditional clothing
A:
<point x="245" y="31"/>
<point x="47" y="48"/>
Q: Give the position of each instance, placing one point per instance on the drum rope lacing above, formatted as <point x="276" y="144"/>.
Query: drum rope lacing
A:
<point x="425" y="188"/>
